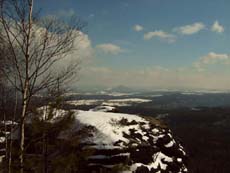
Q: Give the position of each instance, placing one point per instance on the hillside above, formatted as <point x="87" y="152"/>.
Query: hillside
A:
<point x="125" y="142"/>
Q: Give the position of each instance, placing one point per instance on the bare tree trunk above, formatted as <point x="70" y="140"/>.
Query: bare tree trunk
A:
<point x="26" y="91"/>
<point x="6" y="141"/>
<point x="45" y="154"/>
<point x="44" y="141"/>
<point x="11" y="131"/>
<point x="5" y="125"/>
<point x="22" y="126"/>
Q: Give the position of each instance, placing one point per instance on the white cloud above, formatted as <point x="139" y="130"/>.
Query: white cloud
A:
<point x="216" y="27"/>
<point x="160" y="34"/>
<point x="138" y="28"/>
<point x="190" y="29"/>
<point x="82" y="53"/>
<point x="83" y="46"/>
<point x="110" y="48"/>
<point x="154" y="77"/>
<point x="211" y="58"/>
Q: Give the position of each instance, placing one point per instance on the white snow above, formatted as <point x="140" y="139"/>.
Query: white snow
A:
<point x="170" y="144"/>
<point x="84" y="102"/>
<point x="181" y="149"/>
<point x="115" y="104"/>
<point x="108" y="129"/>
<point x="2" y="139"/>
<point x="118" y="94"/>
<point x="103" y="108"/>
<point x="158" y="158"/>
<point x="192" y="93"/>
<point x="1" y="157"/>
<point x="179" y="159"/>
<point x="6" y="133"/>
<point x="145" y="138"/>
<point x="157" y="95"/>
<point x="45" y="110"/>
<point x="134" y="100"/>
<point x="125" y="102"/>
<point x="110" y="102"/>
<point x="9" y="122"/>
<point x="161" y="136"/>
<point x="155" y="131"/>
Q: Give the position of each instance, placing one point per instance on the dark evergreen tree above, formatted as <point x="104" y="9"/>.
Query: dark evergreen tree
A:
<point x="51" y="143"/>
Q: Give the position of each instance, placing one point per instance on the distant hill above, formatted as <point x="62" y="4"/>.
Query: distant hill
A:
<point x="120" y="88"/>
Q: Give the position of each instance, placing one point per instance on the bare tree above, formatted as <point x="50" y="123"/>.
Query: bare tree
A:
<point x="34" y="47"/>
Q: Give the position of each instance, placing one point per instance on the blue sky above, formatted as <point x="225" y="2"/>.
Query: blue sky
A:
<point x="173" y="43"/>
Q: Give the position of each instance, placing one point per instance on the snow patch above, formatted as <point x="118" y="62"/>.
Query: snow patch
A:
<point x="170" y="144"/>
<point x="84" y="102"/>
<point x="2" y="139"/>
<point x="103" y="109"/>
<point x="8" y="123"/>
<point x="108" y="132"/>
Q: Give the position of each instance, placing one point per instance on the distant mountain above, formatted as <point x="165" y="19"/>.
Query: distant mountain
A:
<point x="121" y="89"/>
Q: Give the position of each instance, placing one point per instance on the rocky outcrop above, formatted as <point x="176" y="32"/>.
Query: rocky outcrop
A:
<point x="131" y="143"/>
<point x="126" y="143"/>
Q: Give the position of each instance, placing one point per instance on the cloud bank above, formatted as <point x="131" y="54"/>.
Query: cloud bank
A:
<point x="154" y="77"/>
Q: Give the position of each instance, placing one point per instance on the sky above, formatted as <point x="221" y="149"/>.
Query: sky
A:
<point x="154" y="44"/>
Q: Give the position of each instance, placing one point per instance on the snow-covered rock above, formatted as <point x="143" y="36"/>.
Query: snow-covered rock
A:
<point x="142" y="144"/>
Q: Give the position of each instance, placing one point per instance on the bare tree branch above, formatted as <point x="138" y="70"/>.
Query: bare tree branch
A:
<point x="32" y="48"/>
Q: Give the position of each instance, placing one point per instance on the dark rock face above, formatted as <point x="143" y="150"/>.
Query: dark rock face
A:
<point x="145" y="147"/>
<point x="142" y="169"/>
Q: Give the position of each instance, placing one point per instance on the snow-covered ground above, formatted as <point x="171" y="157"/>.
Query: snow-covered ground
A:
<point x="125" y="102"/>
<point x="115" y="94"/>
<point x="192" y="93"/>
<point x="110" y="102"/>
<point x="156" y="95"/>
<point x="108" y="127"/>
<point x="84" y="102"/>
<point x="103" y="108"/>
